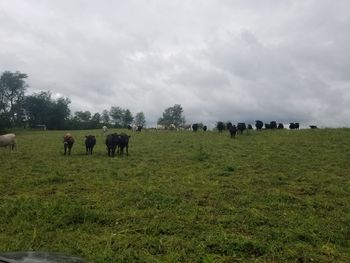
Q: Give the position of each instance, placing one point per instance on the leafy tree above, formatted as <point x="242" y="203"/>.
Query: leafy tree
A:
<point x="172" y="115"/>
<point x="40" y="108"/>
<point x="105" y="117"/>
<point x="83" y="116"/>
<point x="140" y="119"/>
<point x="117" y="114"/>
<point x="12" y="88"/>
<point x="127" y="118"/>
<point x="96" y="120"/>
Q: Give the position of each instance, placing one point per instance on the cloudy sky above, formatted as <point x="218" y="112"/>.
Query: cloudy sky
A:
<point x="220" y="59"/>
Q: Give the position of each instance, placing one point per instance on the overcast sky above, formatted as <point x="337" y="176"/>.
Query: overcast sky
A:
<point x="220" y="59"/>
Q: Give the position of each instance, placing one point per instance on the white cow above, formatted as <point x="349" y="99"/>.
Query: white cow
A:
<point x="8" y="140"/>
<point x="104" y="129"/>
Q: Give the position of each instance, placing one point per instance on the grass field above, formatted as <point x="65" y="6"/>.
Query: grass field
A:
<point x="274" y="196"/>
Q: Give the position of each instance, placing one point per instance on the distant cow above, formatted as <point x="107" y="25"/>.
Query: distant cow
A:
<point x="313" y="126"/>
<point x="273" y="125"/>
<point x="8" y="140"/>
<point x="195" y="127"/>
<point x="129" y="127"/>
<point x="205" y="128"/>
<point x="250" y="127"/>
<point x="123" y="142"/>
<point x="68" y="142"/>
<point x="90" y="141"/>
<point x="233" y="131"/>
<point x="112" y="143"/>
<point x="241" y="127"/>
<point x="280" y="126"/>
<point x="104" y="129"/>
<point x="139" y="128"/>
<point x="267" y="126"/>
<point x="294" y="126"/>
<point x="172" y="127"/>
<point x="259" y="125"/>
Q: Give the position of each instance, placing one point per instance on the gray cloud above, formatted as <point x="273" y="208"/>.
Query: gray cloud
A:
<point x="221" y="60"/>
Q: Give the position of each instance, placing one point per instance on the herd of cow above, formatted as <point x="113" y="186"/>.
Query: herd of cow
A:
<point x="241" y="126"/>
<point x="113" y="142"/>
<point x="119" y="142"/>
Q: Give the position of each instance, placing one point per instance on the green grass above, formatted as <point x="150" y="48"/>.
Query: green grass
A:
<point x="274" y="196"/>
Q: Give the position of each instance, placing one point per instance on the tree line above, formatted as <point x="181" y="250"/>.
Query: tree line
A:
<point x="42" y="110"/>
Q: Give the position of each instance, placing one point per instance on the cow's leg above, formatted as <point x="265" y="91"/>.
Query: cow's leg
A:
<point x="127" y="150"/>
<point x="65" y="149"/>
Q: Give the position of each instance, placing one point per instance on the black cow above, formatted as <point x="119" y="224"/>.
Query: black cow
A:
<point x="205" y="128"/>
<point x="313" y="126"/>
<point x="129" y="127"/>
<point x="228" y="125"/>
<point x="250" y="127"/>
<point x="139" y="128"/>
<point x="267" y="126"/>
<point x="90" y="141"/>
<point x="112" y="141"/>
<point x="195" y="127"/>
<point x="123" y="142"/>
<point x="294" y="126"/>
<point x="273" y="125"/>
<point x="280" y="126"/>
<point x="241" y="127"/>
<point x="233" y="131"/>
<point x="259" y="125"/>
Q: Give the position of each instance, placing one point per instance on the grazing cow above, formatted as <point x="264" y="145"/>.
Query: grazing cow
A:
<point x="313" y="126"/>
<point x="139" y="128"/>
<point x="259" y="125"/>
<point x="250" y="127"/>
<point x="68" y="142"/>
<point x="112" y="141"/>
<point x="241" y="127"/>
<point x="123" y="142"/>
<point x="280" y="126"/>
<point x="233" y="131"/>
<point x="294" y="126"/>
<point x="205" y="128"/>
<point x="8" y="140"/>
<point x="90" y="141"/>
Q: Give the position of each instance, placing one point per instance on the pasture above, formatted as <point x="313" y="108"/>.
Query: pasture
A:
<point x="272" y="196"/>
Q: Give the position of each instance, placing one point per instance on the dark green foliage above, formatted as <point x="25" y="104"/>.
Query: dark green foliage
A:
<point x="172" y="115"/>
<point x="273" y="196"/>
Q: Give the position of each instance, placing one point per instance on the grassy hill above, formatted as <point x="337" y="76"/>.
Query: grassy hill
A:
<point x="273" y="196"/>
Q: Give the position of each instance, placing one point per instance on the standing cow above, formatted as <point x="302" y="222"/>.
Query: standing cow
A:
<point x="68" y="142"/>
<point x="233" y="131"/>
<point x="259" y="125"/>
<point x="241" y="127"/>
<point x="8" y="140"/>
<point x="90" y="141"/>
<point x="112" y="143"/>
<point x="123" y="142"/>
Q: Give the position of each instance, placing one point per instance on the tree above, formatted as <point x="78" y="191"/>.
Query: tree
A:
<point x="12" y="88"/>
<point x="172" y="115"/>
<point x="140" y="119"/>
<point x="96" y="120"/>
<point x="117" y="114"/>
<point x="127" y="118"/>
<point x="40" y="109"/>
<point x="83" y="116"/>
<point x="105" y="117"/>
